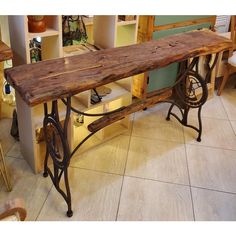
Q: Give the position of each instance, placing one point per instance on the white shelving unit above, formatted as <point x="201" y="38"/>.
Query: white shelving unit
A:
<point x="107" y="32"/>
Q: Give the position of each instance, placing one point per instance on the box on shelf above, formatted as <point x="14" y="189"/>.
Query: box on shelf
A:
<point x="126" y="17"/>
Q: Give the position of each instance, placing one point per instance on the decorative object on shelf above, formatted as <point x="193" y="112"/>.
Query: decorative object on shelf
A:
<point x="36" y="24"/>
<point x="7" y="94"/>
<point x="98" y="93"/>
<point x="35" y="51"/>
<point x="14" y="126"/>
<point x="126" y="18"/>
<point x="103" y="91"/>
<point x="74" y="30"/>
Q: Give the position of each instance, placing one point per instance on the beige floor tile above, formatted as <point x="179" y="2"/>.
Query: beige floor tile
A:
<point x="6" y="139"/>
<point x="228" y="99"/>
<point x="212" y="168"/>
<point x="216" y="133"/>
<point x="95" y="196"/>
<point x="156" y="159"/>
<point x="152" y="124"/>
<point x="33" y="189"/>
<point x="15" y="151"/>
<point x="212" y="205"/>
<point x="213" y="108"/>
<point x="151" y="200"/>
<point x="108" y="157"/>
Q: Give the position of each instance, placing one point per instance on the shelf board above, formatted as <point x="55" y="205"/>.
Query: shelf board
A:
<point x="47" y="33"/>
<point x="129" y="22"/>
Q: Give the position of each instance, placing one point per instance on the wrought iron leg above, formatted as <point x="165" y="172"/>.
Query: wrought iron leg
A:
<point x="169" y="112"/>
<point x="199" y="124"/>
<point x="45" y="172"/>
<point x="187" y="87"/>
<point x="58" y="150"/>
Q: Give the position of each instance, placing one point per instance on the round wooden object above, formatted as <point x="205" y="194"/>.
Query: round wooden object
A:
<point x="36" y="24"/>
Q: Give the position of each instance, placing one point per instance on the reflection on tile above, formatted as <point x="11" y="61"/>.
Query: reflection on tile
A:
<point x="212" y="168"/>
<point x="156" y="159"/>
<point x="152" y="124"/>
<point x="151" y="200"/>
<point x="216" y="133"/>
<point x="212" y="205"/>
<point x="108" y="157"/>
<point x="213" y="108"/>
<point x="5" y="138"/>
<point x="228" y="99"/>
<point x="33" y="189"/>
<point x="95" y="196"/>
<point x="15" y="151"/>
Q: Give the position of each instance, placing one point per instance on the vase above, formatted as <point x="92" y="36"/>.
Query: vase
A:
<point x="36" y="24"/>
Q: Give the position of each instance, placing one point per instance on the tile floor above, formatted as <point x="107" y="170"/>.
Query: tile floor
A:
<point x="158" y="171"/>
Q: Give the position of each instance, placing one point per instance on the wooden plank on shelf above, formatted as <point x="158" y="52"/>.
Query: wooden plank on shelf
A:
<point x="53" y="79"/>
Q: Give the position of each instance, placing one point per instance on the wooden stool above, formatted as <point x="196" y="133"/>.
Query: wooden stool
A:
<point x="3" y="170"/>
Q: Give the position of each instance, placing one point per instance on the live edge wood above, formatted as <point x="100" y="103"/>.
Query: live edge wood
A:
<point x="58" y="78"/>
<point x="5" y="52"/>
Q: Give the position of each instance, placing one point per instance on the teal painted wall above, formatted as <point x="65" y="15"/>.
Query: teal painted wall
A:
<point x="166" y="76"/>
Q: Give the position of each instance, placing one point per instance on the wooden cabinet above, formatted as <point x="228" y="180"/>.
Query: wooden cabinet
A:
<point x="103" y="31"/>
<point x="156" y="27"/>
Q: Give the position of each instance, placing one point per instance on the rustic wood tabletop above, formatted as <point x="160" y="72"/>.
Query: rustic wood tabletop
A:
<point x="58" y="78"/>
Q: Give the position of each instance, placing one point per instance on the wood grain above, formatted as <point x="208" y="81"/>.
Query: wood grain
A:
<point x="5" y="52"/>
<point x="58" y="78"/>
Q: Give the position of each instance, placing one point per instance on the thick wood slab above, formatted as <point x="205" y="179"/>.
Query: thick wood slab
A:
<point x="5" y="52"/>
<point x="58" y="78"/>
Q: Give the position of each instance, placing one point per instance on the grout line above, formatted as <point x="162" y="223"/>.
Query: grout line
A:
<point x="205" y="146"/>
<point x="158" y="139"/>
<point x="227" y="115"/>
<point x="156" y="180"/>
<point x="189" y="179"/>
<point x="99" y="171"/>
<point x="118" y="207"/>
<point x="44" y="201"/>
<point x="18" y="158"/>
<point x="215" y="190"/>
<point x="223" y="106"/>
<point x="9" y="149"/>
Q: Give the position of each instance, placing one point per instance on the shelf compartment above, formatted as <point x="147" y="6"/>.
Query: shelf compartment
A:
<point x="117" y="91"/>
<point x="130" y="22"/>
<point x="49" y="32"/>
<point x="125" y="83"/>
<point x="120" y="126"/>
<point x="81" y="131"/>
<point x="38" y="111"/>
<point x="126" y="35"/>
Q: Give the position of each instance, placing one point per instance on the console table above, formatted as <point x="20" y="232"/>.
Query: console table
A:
<point x="51" y="80"/>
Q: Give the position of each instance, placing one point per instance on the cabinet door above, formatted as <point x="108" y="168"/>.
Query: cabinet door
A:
<point x="166" y="76"/>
